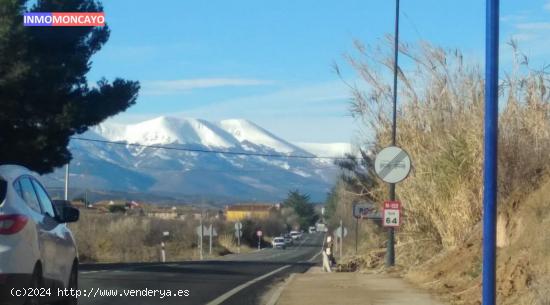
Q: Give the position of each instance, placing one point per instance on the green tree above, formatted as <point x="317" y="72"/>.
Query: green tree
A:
<point x="45" y="97"/>
<point x="358" y="175"/>
<point x="302" y="207"/>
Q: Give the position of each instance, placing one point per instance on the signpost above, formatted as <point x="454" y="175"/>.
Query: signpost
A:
<point x="238" y="234"/>
<point x="366" y="210"/>
<point x="340" y="233"/>
<point x="205" y="231"/>
<point x="391" y="214"/>
<point x="392" y="164"/>
<point x="259" y="233"/>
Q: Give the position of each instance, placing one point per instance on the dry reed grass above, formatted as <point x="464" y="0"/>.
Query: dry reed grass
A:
<point x="440" y="124"/>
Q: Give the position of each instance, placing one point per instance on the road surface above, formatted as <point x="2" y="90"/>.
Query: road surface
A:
<point x="233" y="280"/>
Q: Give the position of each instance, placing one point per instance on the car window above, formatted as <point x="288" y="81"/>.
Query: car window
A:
<point x="29" y="195"/>
<point x="3" y="190"/>
<point x="45" y="201"/>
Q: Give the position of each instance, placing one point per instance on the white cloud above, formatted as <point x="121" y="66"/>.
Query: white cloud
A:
<point x="533" y="26"/>
<point x="163" y="87"/>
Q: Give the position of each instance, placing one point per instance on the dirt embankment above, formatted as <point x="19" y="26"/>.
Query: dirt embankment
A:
<point x="523" y="262"/>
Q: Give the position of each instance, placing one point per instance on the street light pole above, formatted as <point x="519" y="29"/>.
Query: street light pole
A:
<point x="390" y="255"/>
<point x="490" y="186"/>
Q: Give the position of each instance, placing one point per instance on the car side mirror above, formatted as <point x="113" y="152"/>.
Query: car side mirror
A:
<point x="65" y="212"/>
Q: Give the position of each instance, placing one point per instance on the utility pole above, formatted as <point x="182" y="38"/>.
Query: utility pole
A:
<point x="490" y="186"/>
<point x="390" y="255"/>
<point x="67" y="182"/>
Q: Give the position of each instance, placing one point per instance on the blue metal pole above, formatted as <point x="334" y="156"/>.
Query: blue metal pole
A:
<point x="490" y="153"/>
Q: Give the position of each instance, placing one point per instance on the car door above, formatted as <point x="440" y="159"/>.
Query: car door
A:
<point x="46" y="236"/>
<point x="61" y="260"/>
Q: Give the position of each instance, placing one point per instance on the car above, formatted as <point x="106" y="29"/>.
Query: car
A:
<point x="37" y="249"/>
<point x="295" y="235"/>
<point x="279" y="242"/>
<point x="312" y="229"/>
<point x="288" y="240"/>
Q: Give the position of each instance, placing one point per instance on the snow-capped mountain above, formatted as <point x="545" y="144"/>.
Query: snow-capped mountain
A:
<point x="193" y="165"/>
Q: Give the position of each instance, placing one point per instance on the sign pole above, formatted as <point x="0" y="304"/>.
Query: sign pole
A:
<point x="390" y="255"/>
<point x="341" y="237"/>
<point x="202" y="234"/>
<point x="356" y="233"/>
<point x="239" y="240"/>
<point x="67" y="184"/>
<point x="490" y="152"/>
<point x="210" y="246"/>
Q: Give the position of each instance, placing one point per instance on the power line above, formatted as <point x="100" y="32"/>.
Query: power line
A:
<point x="198" y="150"/>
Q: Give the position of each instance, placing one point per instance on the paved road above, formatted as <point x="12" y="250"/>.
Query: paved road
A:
<point x="233" y="280"/>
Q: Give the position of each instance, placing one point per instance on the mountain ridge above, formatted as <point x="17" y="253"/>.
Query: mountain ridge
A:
<point x="104" y="166"/>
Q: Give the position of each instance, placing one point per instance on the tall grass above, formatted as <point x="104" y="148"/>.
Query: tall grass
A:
<point x="123" y="238"/>
<point x="440" y="123"/>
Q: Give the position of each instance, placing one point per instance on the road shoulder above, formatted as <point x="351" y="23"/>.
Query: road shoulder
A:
<point x="350" y="288"/>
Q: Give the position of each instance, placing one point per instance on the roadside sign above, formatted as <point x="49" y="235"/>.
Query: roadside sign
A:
<point x="206" y="231"/>
<point x="338" y="232"/>
<point x="392" y="164"/>
<point x="259" y="233"/>
<point x="366" y="210"/>
<point x="238" y="226"/>
<point x="392" y="214"/>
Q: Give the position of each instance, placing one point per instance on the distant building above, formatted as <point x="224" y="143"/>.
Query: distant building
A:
<point x="249" y="211"/>
<point x="163" y="214"/>
<point x="132" y="205"/>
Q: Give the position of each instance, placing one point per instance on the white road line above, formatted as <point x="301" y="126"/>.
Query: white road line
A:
<point x="222" y="298"/>
<point x="314" y="257"/>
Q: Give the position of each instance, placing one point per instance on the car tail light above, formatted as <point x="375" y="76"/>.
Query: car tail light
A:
<point x="11" y="224"/>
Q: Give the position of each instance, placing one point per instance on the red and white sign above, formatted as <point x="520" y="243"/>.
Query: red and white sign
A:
<point x="391" y="216"/>
<point x="259" y="233"/>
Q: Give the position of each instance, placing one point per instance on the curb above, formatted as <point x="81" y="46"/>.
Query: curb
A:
<point x="277" y="294"/>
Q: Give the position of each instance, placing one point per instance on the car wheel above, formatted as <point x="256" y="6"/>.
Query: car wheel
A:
<point x="73" y="284"/>
<point x="36" y="283"/>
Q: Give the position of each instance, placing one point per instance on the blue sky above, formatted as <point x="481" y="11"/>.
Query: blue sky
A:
<point x="271" y="61"/>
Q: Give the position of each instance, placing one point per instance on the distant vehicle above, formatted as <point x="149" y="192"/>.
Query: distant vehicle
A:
<point x="321" y="227"/>
<point x="279" y="242"/>
<point x="288" y="240"/>
<point x="37" y="250"/>
<point x="295" y="235"/>
<point x="312" y="229"/>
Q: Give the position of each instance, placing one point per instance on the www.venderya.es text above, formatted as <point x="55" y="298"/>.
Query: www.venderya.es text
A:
<point x="98" y="293"/>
